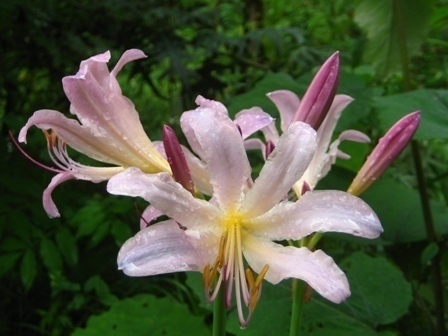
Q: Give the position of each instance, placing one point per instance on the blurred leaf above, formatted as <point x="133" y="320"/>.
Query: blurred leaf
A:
<point x="28" y="269"/>
<point x="101" y="289"/>
<point x="67" y="245"/>
<point x="257" y="96"/>
<point x="382" y="20"/>
<point x="50" y="255"/>
<point x="98" y="235"/>
<point x="429" y="252"/>
<point x="145" y="315"/>
<point x="88" y="218"/>
<point x="8" y="261"/>
<point x="121" y="232"/>
<point x="434" y="111"/>
<point x="12" y="244"/>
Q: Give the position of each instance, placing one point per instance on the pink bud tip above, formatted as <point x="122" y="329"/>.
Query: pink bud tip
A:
<point x="318" y="98"/>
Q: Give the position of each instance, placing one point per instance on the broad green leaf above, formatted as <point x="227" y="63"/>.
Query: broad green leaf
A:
<point x="28" y="269"/>
<point x="50" y="255"/>
<point x="434" y="111"/>
<point x="145" y="315"/>
<point x="400" y="213"/>
<point x="384" y="22"/>
<point x="380" y="292"/>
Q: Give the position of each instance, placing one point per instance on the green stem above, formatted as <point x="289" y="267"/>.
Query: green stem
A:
<point x="432" y="238"/>
<point x="421" y="179"/>
<point x="298" y="288"/>
<point x="219" y="315"/>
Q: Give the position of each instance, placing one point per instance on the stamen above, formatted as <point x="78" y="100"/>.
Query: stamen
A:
<point x="14" y="141"/>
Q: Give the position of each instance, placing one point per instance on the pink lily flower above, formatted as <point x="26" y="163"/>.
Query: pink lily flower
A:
<point x="108" y="130"/>
<point x="231" y="237"/>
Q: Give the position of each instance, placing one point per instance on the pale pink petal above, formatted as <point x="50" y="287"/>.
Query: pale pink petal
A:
<point x="284" y="166"/>
<point x="252" y="120"/>
<point x="211" y="104"/>
<point x="315" y="268"/>
<point x="287" y="104"/>
<point x="322" y="161"/>
<point x="355" y="136"/>
<point x="160" y="248"/>
<point x="224" y="153"/>
<point x="318" y="211"/>
<point x="128" y="56"/>
<point x="47" y="200"/>
<point x="167" y="196"/>
<point x="148" y="216"/>
<point x="75" y="135"/>
<point x="199" y="172"/>
<point x="326" y="130"/>
<point x="270" y="133"/>
<point x="97" y="101"/>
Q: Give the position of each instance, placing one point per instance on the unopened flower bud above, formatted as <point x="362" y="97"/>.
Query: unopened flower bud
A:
<point x="176" y="159"/>
<point x="385" y="152"/>
<point x="318" y="98"/>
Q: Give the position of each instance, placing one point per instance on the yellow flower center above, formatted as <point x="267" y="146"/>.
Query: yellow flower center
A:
<point x="230" y="269"/>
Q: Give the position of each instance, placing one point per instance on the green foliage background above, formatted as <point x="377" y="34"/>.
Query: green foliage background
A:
<point x="59" y="276"/>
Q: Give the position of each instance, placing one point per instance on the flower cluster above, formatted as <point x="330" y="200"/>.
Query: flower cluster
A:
<point x="222" y="221"/>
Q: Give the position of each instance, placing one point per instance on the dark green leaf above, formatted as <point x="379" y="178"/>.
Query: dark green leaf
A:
<point x="12" y="244"/>
<point x="121" y="232"/>
<point x="429" y="252"/>
<point x="400" y="213"/>
<point x="67" y="245"/>
<point x="145" y="315"/>
<point x="50" y="255"/>
<point x="380" y="292"/>
<point x="272" y="314"/>
<point x="8" y="261"/>
<point x="28" y="269"/>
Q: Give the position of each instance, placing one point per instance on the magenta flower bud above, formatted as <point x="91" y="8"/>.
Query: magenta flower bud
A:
<point x="270" y="146"/>
<point x="176" y="159"/>
<point x="385" y="152"/>
<point x="320" y="94"/>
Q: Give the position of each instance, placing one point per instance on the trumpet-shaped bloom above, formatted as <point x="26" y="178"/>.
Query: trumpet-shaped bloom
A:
<point x="232" y="236"/>
<point x="109" y="128"/>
